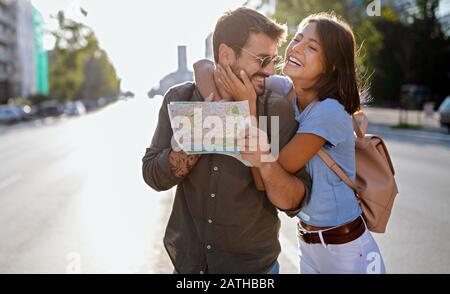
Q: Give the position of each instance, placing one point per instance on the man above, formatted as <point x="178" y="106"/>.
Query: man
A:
<point x="220" y="222"/>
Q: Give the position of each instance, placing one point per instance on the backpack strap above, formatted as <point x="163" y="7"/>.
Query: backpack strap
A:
<point x="336" y="168"/>
<point x="360" y="133"/>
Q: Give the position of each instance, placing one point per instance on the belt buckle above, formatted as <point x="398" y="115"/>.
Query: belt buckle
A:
<point x="302" y="234"/>
<point x="300" y="230"/>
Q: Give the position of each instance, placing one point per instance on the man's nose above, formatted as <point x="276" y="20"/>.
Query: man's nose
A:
<point x="269" y="69"/>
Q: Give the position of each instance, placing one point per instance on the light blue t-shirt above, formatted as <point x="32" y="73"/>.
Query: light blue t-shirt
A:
<point x="331" y="202"/>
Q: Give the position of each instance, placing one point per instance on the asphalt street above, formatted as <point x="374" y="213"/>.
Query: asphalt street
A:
<point x="72" y="198"/>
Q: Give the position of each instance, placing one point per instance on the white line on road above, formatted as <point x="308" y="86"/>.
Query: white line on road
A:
<point x="10" y="180"/>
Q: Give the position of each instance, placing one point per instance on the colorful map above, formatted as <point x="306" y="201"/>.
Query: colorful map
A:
<point x="209" y="127"/>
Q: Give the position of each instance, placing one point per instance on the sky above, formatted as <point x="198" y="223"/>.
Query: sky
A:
<point x="141" y="36"/>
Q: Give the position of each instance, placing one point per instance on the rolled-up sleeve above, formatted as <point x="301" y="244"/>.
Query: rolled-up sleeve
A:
<point x="155" y="163"/>
<point x="303" y="176"/>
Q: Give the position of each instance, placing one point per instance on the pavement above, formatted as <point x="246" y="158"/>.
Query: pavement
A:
<point x="391" y="117"/>
<point x="72" y="198"/>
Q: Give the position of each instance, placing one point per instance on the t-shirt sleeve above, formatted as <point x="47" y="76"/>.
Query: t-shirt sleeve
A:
<point x="280" y="84"/>
<point x="326" y="120"/>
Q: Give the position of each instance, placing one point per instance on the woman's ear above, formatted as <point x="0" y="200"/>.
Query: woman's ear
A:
<point x="226" y="55"/>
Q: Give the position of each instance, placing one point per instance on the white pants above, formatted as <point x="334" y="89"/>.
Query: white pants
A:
<point x="360" y="256"/>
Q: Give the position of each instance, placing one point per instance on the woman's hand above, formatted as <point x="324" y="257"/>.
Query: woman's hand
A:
<point x="240" y="90"/>
<point x="204" y="78"/>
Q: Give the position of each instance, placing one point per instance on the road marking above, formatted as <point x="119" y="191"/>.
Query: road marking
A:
<point x="10" y="180"/>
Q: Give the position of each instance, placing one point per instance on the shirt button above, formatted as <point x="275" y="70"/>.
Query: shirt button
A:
<point x="210" y="221"/>
<point x="215" y="168"/>
<point x="213" y="195"/>
<point x="208" y="247"/>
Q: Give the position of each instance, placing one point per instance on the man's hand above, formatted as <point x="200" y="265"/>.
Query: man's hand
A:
<point x="182" y="163"/>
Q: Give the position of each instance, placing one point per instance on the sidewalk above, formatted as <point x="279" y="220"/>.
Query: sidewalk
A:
<point x="391" y="117"/>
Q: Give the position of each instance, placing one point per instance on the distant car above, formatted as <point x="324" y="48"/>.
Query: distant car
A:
<point x="414" y="96"/>
<point x="8" y="114"/>
<point x="74" y="108"/>
<point x="50" y="108"/>
<point x="444" y="111"/>
<point x="24" y="111"/>
<point x="90" y="104"/>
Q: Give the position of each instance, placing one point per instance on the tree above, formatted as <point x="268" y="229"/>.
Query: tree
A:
<point x="79" y="68"/>
<point x="368" y="38"/>
<point x="394" y="51"/>
<point x="415" y="51"/>
<point x="100" y="78"/>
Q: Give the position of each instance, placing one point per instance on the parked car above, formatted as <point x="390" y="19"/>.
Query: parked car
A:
<point x="8" y="114"/>
<point x="444" y="112"/>
<point x="50" y="108"/>
<point x="24" y="111"/>
<point x="74" y="108"/>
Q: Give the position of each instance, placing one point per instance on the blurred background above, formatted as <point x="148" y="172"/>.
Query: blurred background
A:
<point x="81" y="83"/>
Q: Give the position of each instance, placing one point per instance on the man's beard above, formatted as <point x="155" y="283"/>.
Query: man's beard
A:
<point x="257" y="86"/>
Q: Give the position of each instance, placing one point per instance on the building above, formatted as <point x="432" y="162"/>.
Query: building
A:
<point x="7" y="49"/>
<point x="182" y="74"/>
<point x="23" y="61"/>
<point x="25" y="76"/>
<point x="40" y="55"/>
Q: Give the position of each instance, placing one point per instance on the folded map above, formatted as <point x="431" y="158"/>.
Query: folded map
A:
<point x="209" y="127"/>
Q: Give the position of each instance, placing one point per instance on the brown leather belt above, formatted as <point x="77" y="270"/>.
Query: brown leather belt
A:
<point x="340" y="235"/>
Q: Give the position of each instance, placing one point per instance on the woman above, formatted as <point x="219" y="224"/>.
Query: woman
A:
<point x="323" y="90"/>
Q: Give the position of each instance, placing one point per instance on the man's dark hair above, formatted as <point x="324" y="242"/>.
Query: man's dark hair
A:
<point x="234" y="27"/>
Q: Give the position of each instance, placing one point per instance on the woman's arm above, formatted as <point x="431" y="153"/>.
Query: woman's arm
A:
<point x="241" y="91"/>
<point x="300" y="149"/>
<point x="204" y="78"/>
<point x="279" y="84"/>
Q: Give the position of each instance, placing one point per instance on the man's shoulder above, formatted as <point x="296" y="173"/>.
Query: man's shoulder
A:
<point x="278" y="105"/>
<point x="180" y="92"/>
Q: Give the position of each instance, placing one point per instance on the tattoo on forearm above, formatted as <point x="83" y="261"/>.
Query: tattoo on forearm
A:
<point x="182" y="163"/>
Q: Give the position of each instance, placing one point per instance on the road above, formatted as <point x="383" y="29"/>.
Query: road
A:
<point x="417" y="238"/>
<point x="72" y="198"/>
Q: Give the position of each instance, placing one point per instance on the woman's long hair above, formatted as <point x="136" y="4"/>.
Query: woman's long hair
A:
<point x="340" y="80"/>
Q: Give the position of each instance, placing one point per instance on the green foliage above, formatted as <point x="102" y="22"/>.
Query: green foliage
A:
<point x="368" y="39"/>
<point x="394" y="49"/>
<point x="413" y="52"/>
<point x="79" y="69"/>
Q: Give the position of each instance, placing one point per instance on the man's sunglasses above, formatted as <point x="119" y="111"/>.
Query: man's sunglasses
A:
<point x="265" y="61"/>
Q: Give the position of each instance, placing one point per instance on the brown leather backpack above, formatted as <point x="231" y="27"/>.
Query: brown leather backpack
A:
<point x="375" y="186"/>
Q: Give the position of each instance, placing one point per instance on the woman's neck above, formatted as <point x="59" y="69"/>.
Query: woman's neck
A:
<point x="305" y="97"/>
